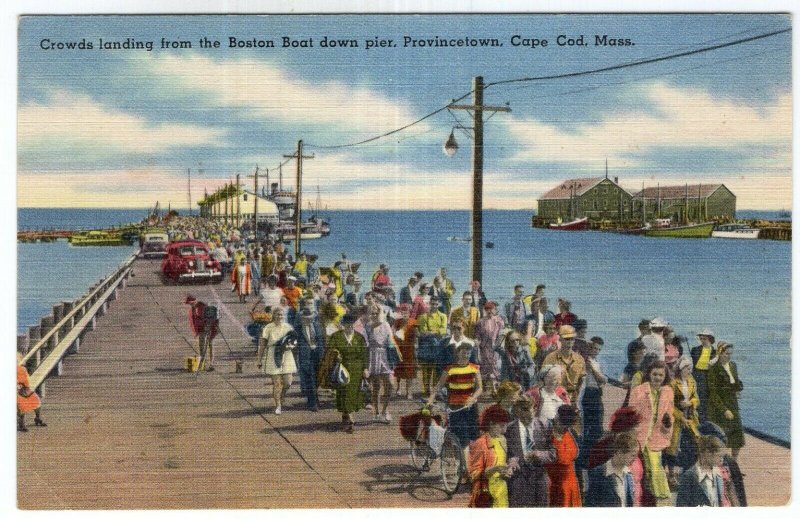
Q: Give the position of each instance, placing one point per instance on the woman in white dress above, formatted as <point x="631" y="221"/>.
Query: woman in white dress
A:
<point x="280" y="373"/>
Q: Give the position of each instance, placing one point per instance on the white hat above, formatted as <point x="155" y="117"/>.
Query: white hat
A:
<point x="706" y="331"/>
<point x="291" y="278"/>
<point x="684" y="362"/>
<point x="658" y="323"/>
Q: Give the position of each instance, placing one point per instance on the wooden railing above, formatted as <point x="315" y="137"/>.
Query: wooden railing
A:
<point x="65" y="335"/>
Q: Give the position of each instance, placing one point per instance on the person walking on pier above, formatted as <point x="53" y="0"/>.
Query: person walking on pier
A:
<point x="702" y="484"/>
<point x="572" y="364"/>
<point x="241" y="277"/>
<point x="467" y="314"/>
<point x="27" y="399"/>
<point x="383" y="357"/>
<point x="653" y="401"/>
<point x="351" y="348"/>
<point x="703" y="357"/>
<point x="487" y="332"/>
<point x="275" y="355"/>
<point x="724" y="387"/>
<point x="204" y="322"/>
<point x="528" y="440"/>
<point x="310" y="349"/>
<point x="405" y="336"/>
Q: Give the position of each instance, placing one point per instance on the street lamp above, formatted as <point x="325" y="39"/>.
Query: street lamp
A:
<point x="450" y="146"/>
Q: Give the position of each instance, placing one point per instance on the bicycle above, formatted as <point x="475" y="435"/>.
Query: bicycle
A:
<point x="452" y="465"/>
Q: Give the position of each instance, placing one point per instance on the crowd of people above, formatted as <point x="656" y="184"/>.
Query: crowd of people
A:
<point x="542" y="440"/>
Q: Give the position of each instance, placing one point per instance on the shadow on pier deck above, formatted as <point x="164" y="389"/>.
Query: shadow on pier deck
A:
<point x="130" y="429"/>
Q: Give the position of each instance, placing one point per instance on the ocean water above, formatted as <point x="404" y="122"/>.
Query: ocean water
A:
<point x="741" y="289"/>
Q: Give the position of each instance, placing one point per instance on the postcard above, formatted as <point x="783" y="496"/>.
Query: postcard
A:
<point x="328" y="261"/>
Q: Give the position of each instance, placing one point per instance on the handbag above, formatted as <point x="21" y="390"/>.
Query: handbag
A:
<point x="482" y="499"/>
<point x="338" y="376"/>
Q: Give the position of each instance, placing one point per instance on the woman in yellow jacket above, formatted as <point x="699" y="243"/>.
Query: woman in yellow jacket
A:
<point x="682" y="449"/>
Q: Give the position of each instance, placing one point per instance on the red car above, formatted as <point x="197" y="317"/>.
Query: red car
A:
<point x="189" y="260"/>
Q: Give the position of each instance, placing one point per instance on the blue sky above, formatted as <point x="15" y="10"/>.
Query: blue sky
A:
<point x="119" y="128"/>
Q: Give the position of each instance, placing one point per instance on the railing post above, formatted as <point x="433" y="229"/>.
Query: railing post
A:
<point x="75" y="347"/>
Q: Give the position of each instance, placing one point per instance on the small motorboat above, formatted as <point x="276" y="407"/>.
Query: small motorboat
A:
<point x="490" y="245"/>
<point x="580" y="224"/>
<point x="735" y="230"/>
<point x="464" y="239"/>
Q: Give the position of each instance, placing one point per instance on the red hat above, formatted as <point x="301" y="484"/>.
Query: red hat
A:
<point x="489" y="305"/>
<point x="624" y="419"/>
<point x="190" y="300"/>
<point x="494" y="414"/>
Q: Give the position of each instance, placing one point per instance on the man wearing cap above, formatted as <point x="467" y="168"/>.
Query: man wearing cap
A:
<point x="204" y="331"/>
<point x="654" y="343"/>
<point x="572" y="365"/>
<point x="292" y="292"/>
<point x="703" y="357"/>
<point x="310" y="348"/>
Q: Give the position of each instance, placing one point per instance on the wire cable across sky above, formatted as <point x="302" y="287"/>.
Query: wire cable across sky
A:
<point x="645" y="61"/>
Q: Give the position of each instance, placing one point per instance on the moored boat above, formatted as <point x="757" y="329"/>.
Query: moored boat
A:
<point x="579" y="224"/>
<point x="735" y="230"/>
<point x="97" y="238"/>
<point x="700" y="230"/>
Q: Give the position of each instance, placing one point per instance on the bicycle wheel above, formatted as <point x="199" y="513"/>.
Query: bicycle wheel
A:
<point x="420" y="452"/>
<point x="451" y="463"/>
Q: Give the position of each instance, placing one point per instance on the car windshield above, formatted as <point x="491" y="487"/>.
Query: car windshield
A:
<point x="187" y="251"/>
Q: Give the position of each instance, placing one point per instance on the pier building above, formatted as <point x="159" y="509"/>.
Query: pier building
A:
<point x="603" y="199"/>
<point x="231" y="206"/>
<point x="599" y="198"/>
<point x="694" y="203"/>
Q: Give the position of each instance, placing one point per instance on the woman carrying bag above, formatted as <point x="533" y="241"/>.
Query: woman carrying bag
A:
<point x="488" y="465"/>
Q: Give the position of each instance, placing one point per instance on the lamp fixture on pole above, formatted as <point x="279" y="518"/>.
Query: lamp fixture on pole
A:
<point x="477" y="108"/>
<point x="450" y="146"/>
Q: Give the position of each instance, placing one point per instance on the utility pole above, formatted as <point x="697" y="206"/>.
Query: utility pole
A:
<point x="476" y="227"/>
<point x="298" y="207"/>
<point x="189" y="191"/>
<point x="238" y="204"/>
<point x="255" y="190"/>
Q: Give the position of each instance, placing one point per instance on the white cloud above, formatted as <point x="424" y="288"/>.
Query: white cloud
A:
<point x="118" y="188"/>
<point x="77" y="122"/>
<point x="271" y="92"/>
<point x="680" y="117"/>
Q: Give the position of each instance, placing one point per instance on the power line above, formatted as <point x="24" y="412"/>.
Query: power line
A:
<point x="640" y="62"/>
<point x="409" y="125"/>
<point x="563" y="76"/>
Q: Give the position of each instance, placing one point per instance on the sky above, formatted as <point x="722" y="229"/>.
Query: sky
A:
<point x="120" y="128"/>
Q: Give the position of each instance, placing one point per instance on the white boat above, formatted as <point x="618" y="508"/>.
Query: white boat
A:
<point x="735" y="230"/>
<point x="459" y="238"/>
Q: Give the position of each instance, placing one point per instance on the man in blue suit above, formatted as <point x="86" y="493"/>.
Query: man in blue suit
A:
<point x="310" y="348"/>
<point x="611" y="484"/>
<point x="702" y="485"/>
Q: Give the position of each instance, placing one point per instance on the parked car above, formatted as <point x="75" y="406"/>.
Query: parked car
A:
<point x="189" y="260"/>
<point x="154" y="245"/>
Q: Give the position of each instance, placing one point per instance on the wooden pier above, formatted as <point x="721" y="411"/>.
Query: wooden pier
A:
<point x="130" y="428"/>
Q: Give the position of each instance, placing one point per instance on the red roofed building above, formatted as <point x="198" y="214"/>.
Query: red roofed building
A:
<point x="598" y="198"/>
